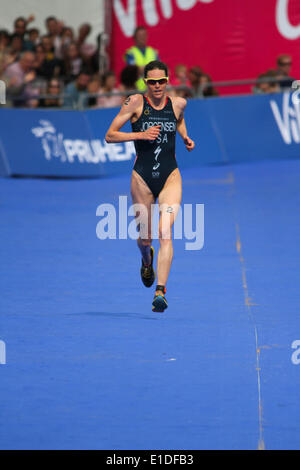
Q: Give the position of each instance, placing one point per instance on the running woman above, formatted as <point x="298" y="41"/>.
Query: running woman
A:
<point x="155" y="117"/>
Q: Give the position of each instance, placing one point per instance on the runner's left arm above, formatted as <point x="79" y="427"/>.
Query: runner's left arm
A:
<point x="181" y="126"/>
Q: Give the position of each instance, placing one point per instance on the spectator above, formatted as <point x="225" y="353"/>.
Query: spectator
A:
<point x="47" y="44"/>
<point x="67" y="36"/>
<point x="54" y="88"/>
<point x="109" y="86"/>
<point x="4" y="50"/>
<point x="21" y="71"/>
<point x="266" y="83"/>
<point x="284" y="64"/>
<point x="20" y="25"/>
<point x="16" y="45"/>
<point x="262" y="86"/>
<point x="93" y="88"/>
<point x="20" y="77"/>
<point x="181" y="80"/>
<point x="51" y="26"/>
<point x="53" y="31"/>
<point x="77" y="91"/>
<point x="40" y="59"/>
<point x="59" y="27"/>
<point x="194" y="77"/>
<point x="140" y="54"/>
<point x="47" y="68"/>
<point x="206" y="88"/>
<point x="128" y="79"/>
<point x="275" y="80"/>
<point x="4" y="40"/>
<point x="181" y="75"/>
<point x="73" y="62"/>
<point x="86" y="50"/>
<point x="34" y="37"/>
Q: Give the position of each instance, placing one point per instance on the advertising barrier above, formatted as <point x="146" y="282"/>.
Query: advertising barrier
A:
<point x="48" y="143"/>
<point x="72" y="143"/>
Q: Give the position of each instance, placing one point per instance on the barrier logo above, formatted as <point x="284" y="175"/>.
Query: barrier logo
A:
<point x="94" y="151"/>
<point x="287" y="116"/>
<point x="52" y="141"/>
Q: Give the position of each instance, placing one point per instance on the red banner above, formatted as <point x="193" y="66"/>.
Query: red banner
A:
<point x="228" y="39"/>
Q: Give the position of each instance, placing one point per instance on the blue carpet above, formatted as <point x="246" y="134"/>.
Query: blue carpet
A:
<point x="90" y="366"/>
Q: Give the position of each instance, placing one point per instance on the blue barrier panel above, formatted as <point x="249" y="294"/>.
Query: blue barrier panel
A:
<point x="48" y="143"/>
<point x="72" y="143"/>
<point x="201" y="128"/>
<point x="258" y="127"/>
<point x="115" y="158"/>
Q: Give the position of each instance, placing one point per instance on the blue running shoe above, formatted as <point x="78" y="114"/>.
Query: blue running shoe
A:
<point x="159" y="303"/>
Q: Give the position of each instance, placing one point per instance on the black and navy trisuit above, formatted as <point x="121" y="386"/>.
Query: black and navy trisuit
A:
<point x="156" y="160"/>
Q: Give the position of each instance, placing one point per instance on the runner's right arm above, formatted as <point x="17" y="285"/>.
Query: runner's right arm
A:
<point x="128" y="110"/>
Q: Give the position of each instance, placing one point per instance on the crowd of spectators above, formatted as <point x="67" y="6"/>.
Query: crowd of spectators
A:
<point x="33" y="64"/>
<point x="61" y="69"/>
<point x="276" y="80"/>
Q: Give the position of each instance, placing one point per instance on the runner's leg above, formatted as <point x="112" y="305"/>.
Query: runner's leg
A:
<point x="143" y="197"/>
<point x="169" y="202"/>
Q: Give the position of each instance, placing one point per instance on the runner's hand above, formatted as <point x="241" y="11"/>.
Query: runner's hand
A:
<point x="189" y="144"/>
<point x="151" y="134"/>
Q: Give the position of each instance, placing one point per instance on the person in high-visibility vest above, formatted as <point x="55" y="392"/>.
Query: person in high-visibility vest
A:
<point x="140" y="54"/>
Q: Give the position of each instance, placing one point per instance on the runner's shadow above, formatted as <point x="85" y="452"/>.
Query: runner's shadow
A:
<point x="132" y="315"/>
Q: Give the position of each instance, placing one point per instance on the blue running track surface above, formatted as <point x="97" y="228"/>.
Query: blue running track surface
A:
<point x="89" y="365"/>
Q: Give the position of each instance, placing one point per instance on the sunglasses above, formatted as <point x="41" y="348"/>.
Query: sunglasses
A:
<point x="285" y="63"/>
<point x="160" y="81"/>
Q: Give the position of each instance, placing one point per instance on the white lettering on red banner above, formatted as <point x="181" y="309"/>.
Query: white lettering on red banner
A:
<point x="228" y="40"/>
<point x="128" y="18"/>
<point x="284" y="25"/>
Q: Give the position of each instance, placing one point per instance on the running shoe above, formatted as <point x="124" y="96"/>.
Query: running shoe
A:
<point x="147" y="272"/>
<point x="159" y="303"/>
